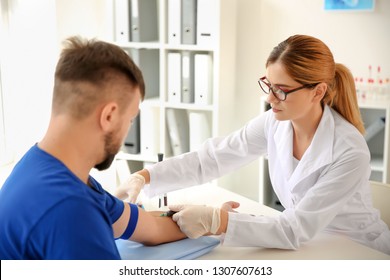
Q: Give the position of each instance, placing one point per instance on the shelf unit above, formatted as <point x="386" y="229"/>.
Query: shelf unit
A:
<point x="371" y="111"/>
<point x="267" y="195"/>
<point x="154" y="127"/>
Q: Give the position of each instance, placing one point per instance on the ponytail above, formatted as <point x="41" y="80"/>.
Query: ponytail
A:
<point x="341" y="96"/>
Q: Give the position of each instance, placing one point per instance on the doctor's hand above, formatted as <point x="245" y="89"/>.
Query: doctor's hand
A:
<point x="197" y="220"/>
<point x="131" y="188"/>
<point x="230" y="206"/>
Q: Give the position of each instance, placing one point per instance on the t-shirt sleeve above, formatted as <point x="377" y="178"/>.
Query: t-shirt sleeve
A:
<point x="133" y="220"/>
<point x="114" y="207"/>
<point x="74" y="229"/>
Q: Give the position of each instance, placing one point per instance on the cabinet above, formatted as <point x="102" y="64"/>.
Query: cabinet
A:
<point x="267" y="195"/>
<point x="178" y="45"/>
<point x="376" y="116"/>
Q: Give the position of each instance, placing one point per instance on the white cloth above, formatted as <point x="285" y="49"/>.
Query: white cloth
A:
<point x="328" y="189"/>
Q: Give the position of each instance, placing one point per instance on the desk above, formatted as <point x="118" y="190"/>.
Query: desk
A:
<point x="323" y="246"/>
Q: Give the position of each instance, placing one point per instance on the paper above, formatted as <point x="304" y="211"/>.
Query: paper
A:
<point x="185" y="249"/>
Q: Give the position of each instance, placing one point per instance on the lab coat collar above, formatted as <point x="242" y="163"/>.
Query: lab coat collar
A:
<point x="317" y="155"/>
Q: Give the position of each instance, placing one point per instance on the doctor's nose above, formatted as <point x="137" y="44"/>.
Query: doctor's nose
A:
<point x="271" y="98"/>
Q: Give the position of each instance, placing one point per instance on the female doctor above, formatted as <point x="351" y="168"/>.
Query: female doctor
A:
<point x="319" y="162"/>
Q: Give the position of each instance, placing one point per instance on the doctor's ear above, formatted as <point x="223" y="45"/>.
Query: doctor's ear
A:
<point x="319" y="91"/>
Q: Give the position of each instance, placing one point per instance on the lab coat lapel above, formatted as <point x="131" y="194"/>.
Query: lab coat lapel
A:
<point x="283" y="139"/>
<point x="319" y="153"/>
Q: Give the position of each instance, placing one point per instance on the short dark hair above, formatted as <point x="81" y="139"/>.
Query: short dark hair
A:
<point x="86" y="65"/>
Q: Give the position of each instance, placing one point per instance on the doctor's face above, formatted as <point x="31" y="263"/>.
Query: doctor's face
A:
<point x="298" y="104"/>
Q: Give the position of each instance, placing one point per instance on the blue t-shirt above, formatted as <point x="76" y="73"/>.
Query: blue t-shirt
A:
<point x="46" y="212"/>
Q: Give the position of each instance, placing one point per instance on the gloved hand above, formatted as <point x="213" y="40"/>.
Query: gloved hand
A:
<point x="230" y="206"/>
<point x="196" y="220"/>
<point x="131" y="188"/>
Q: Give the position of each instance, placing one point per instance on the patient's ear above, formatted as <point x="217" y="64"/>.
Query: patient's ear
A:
<point x="109" y="116"/>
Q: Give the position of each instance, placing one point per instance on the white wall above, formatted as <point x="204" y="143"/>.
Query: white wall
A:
<point x="357" y="39"/>
<point x="28" y="59"/>
<point x="87" y="18"/>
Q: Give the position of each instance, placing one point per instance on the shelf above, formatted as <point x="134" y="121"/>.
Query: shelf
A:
<point x="189" y="106"/>
<point x="152" y="102"/>
<point x="135" y="157"/>
<point x="189" y="48"/>
<point x="139" y="45"/>
<point x="175" y="73"/>
<point x="374" y="103"/>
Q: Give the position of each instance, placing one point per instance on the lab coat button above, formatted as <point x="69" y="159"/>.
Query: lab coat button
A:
<point x="362" y="226"/>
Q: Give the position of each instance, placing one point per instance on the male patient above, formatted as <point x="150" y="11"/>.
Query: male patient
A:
<point x="50" y="207"/>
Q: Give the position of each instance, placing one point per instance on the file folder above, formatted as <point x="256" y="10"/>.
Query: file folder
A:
<point x="122" y="20"/>
<point x="203" y="79"/>
<point x="122" y="173"/>
<point x="174" y="77"/>
<point x="174" y="22"/>
<point x="187" y="77"/>
<point x="207" y="16"/>
<point x="144" y="20"/>
<point x="200" y="131"/>
<point x="178" y="131"/>
<point x="148" y="61"/>
<point x="188" y="21"/>
<point x="185" y="249"/>
<point x="374" y="128"/>
<point x="150" y="129"/>
<point x="132" y="140"/>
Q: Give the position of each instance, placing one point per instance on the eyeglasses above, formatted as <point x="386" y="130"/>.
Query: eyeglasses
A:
<point x="277" y="91"/>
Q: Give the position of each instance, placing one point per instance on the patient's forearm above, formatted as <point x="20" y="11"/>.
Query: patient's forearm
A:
<point x="153" y="229"/>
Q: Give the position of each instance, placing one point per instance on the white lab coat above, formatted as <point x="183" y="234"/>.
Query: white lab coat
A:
<point x="328" y="190"/>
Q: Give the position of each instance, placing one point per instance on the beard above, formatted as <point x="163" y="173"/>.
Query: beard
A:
<point x="110" y="150"/>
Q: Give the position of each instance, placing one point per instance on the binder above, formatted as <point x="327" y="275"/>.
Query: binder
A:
<point x="200" y="130"/>
<point x="188" y="21"/>
<point x="374" y="128"/>
<point x="132" y="140"/>
<point x="187" y="77"/>
<point x="150" y="129"/>
<point x="174" y="22"/>
<point x="207" y="16"/>
<point x="174" y="77"/>
<point x="122" y="172"/>
<point x="203" y="79"/>
<point x="122" y="20"/>
<point x="144" y="17"/>
<point x="177" y="124"/>
<point x="149" y="63"/>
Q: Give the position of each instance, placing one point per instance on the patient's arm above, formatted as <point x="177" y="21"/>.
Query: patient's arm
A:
<point x="151" y="229"/>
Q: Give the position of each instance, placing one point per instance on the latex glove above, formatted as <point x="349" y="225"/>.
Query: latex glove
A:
<point x="196" y="220"/>
<point x="230" y="206"/>
<point x="131" y="188"/>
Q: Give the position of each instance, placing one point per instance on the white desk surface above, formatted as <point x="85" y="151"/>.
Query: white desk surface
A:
<point x="324" y="246"/>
